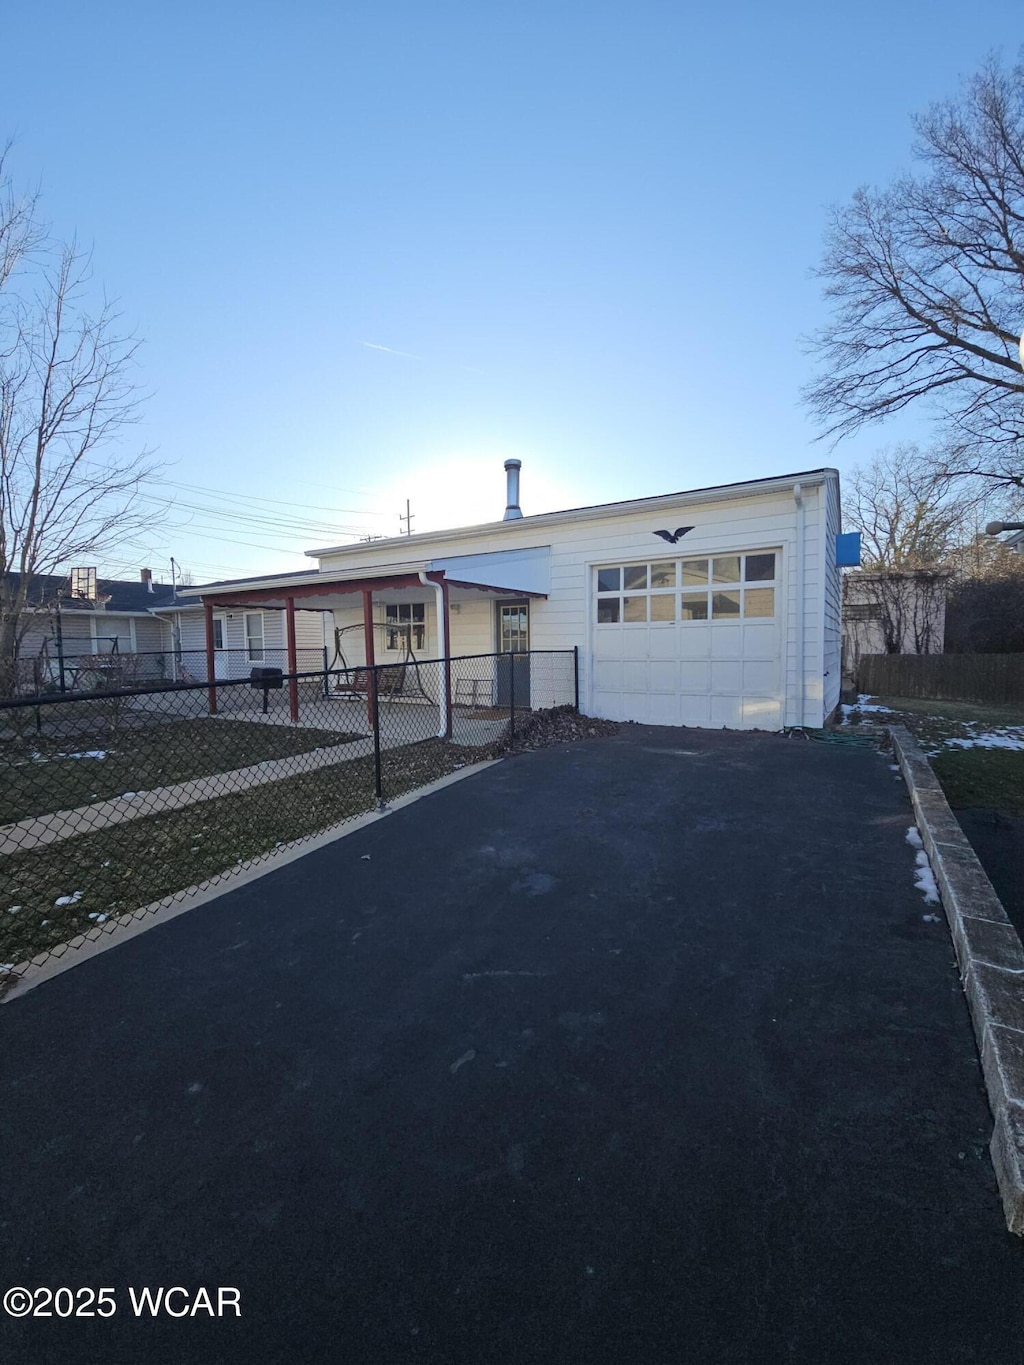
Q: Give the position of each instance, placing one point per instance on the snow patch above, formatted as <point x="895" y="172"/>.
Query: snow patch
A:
<point x="862" y="706"/>
<point x="13" y="909"/>
<point x="100" y="919"/>
<point x="89" y="753"/>
<point x="914" y="837"/>
<point x="69" y="900"/>
<point x="991" y="739"/>
<point x="864" y="703"/>
<point x="924" y="879"/>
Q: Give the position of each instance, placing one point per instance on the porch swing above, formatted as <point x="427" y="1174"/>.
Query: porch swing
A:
<point x="392" y="678"/>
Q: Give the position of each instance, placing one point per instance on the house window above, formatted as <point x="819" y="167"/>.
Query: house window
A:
<point x="254" y="643"/>
<point x="218" y="632"/>
<point x="406" y="626"/>
<point x="733" y="587"/>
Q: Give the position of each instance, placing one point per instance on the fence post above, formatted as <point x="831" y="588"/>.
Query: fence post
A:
<point x="327" y="689"/>
<point x="378" y="784"/>
<point x="60" y="653"/>
<point x="293" y="660"/>
<point x="576" y="675"/>
<point x="511" y="701"/>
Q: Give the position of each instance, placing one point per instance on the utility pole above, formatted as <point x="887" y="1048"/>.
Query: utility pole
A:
<point x="407" y="519"/>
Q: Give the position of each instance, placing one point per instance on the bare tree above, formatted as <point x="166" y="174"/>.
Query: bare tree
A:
<point x="927" y="282"/>
<point x="908" y="512"/>
<point x="66" y="395"/>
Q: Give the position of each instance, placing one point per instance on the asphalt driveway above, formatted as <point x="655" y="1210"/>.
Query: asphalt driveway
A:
<point x="639" y="1050"/>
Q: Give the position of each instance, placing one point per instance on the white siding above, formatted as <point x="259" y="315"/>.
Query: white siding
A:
<point x="764" y="521"/>
<point x="309" y="638"/>
<point x="833" y="605"/>
<point x="76" y="632"/>
<point x="151" y="636"/>
<point x="309" y="635"/>
<point x="40" y="632"/>
<point x="345" y="648"/>
<point x="472" y="624"/>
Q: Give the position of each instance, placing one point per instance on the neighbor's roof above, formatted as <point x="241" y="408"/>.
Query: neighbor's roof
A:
<point x="113" y="594"/>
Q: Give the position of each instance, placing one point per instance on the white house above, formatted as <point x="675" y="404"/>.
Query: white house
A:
<point x="714" y="607"/>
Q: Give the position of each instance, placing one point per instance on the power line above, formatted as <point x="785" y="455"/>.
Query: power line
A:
<point x="253" y="497"/>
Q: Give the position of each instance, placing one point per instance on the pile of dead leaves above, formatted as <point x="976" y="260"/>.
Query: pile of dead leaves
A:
<point x="560" y="725"/>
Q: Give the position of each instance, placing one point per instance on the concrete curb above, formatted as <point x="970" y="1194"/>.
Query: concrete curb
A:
<point x="99" y="939"/>
<point x="991" y="961"/>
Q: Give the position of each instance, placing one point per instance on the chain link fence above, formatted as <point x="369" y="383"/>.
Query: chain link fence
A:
<point x="110" y="670"/>
<point x="119" y="801"/>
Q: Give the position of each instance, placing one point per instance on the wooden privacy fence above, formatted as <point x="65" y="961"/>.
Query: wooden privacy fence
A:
<point x="996" y="678"/>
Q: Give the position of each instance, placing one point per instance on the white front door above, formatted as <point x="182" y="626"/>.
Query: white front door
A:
<point x="690" y="641"/>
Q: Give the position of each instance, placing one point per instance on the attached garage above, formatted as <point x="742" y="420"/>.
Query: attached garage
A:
<point x="690" y="640"/>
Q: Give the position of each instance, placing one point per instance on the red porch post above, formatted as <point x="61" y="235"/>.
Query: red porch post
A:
<point x="211" y="664"/>
<point x="371" y="677"/>
<point x="293" y="666"/>
<point x="447" y="660"/>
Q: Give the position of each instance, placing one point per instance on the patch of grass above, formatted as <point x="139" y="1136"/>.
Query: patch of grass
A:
<point x="991" y="778"/>
<point x="933" y="722"/>
<point x="38" y="776"/>
<point x="121" y="868"/>
<point x="956" y="711"/>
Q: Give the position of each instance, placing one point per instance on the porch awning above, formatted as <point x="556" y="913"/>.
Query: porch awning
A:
<point x="505" y="573"/>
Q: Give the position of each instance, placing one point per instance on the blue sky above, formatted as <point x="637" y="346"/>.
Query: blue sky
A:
<point x="582" y="231"/>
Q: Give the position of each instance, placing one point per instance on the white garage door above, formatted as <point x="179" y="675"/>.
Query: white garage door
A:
<point x="689" y="641"/>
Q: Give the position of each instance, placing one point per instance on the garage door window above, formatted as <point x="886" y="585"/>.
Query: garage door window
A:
<point x="719" y="588"/>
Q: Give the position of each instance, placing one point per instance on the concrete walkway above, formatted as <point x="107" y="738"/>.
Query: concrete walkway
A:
<point x="640" y="1050"/>
<point x="396" y="730"/>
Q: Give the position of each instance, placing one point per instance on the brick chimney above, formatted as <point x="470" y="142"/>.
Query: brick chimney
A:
<point x="146" y="575"/>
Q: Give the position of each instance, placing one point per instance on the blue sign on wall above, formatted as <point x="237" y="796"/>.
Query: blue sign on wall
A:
<point x="848" y="550"/>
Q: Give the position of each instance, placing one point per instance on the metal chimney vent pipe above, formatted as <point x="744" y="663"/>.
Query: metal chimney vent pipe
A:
<point x="512" y="509"/>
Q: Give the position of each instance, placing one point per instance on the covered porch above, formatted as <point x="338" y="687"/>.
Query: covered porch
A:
<point x="392" y="633"/>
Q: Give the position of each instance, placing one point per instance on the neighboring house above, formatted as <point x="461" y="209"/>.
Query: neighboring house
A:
<point x="1015" y="542"/>
<point x="715" y="607"/>
<point x="892" y="612"/>
<point x="241" y="638"/>
<point x="78" y="616"/>
<point x="154" y="632"/>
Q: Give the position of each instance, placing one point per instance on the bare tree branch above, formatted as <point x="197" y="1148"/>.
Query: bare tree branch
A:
<point x="927" y="283"/>
<point x="909" y="513"/>
<point x="67" y="393"/>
